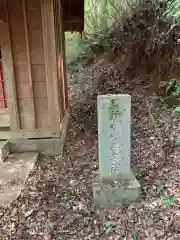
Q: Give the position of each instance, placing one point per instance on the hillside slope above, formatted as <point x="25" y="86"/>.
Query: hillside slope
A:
<point x="57" y="203"/>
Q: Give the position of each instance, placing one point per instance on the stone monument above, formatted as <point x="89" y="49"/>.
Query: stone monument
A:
<point x="117" y="185"/>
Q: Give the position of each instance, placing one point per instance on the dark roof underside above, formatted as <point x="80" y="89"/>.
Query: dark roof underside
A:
<point x="73" y="14"/>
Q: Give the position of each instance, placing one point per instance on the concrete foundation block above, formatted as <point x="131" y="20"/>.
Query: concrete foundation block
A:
<point x="4" y="150"/>
<point x="115" y="192"/>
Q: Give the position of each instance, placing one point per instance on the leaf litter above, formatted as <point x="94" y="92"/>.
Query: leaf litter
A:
<point x="57" y="202"/>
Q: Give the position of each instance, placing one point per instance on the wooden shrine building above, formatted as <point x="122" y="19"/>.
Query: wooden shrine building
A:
<point x="33" y="83"/>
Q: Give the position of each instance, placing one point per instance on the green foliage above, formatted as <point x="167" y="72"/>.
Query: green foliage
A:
<point x="160" y="192"/>
<point x="99" y="16"/>
<point x="177" y="89"/>
<point x="173" y="12"/>
<point x="108" y="227"/>
<point x="168" y="201"/>
<point x="178" y="142"/>
<point x="177" y="109"/>
<point x="174" y="90"/>
<point x="135" y="237"/>
<point x="173" y="9"/>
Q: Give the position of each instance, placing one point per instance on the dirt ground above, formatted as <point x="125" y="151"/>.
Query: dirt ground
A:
<point x="57" y="202"/>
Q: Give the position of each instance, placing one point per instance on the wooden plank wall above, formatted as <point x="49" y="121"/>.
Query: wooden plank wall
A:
<point x="60" y="46"/>
<point x="51" y="63"/>
<point x="36" y="84"/>
<point x="8" y="69"/>
<point x="29" y="64"/>
<point x="63" y="53"/>
<point x="2" y="12"/>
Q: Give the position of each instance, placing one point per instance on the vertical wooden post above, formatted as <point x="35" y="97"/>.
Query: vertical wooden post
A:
<point x="29" y="62"/>
<point x="51" y="62"/>
<point x="2" y="12"/>
<point x="9" y="76"/>
<point x="63" y="51"/>
<point x="65" y="82"/>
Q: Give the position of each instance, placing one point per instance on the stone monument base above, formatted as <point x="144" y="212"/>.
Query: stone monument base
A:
<point x="116" y="191"/>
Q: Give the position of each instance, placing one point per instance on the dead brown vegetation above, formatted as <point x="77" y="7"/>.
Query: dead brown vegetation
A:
<point x="145" y="44"/>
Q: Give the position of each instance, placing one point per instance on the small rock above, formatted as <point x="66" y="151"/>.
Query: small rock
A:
<point x="159" y="233"/>
<point x="149" y="222"/>
<point x="28" y="213"/>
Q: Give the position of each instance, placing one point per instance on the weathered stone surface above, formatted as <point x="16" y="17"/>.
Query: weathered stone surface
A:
<point x="13" y="174"/>
<point x="115" y="192"/>
<point x="117" y="184"/>
<point x="114" y="116"/>
<point x="4" y="150"/>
